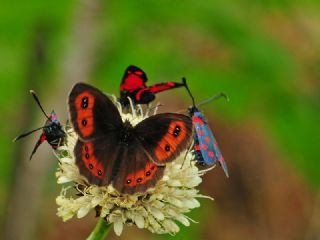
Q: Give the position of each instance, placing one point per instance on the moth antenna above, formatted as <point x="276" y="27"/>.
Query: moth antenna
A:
<point x="184" y="81"/>
<point x="26" y="134"/>
<point x="38" y="101"/>
<point x="215" y="97"/>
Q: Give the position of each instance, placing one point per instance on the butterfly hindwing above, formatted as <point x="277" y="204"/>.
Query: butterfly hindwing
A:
<point x="96" y="159"/>
<point x="137" y="172"/>
<point x="92" y="113"/>
<point x="164" y="136"/>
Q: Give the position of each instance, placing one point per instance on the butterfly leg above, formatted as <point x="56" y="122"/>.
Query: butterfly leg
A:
<point x="41" y="140"/>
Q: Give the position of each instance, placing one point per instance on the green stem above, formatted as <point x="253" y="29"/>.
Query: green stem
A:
<point x="100" y="231"/>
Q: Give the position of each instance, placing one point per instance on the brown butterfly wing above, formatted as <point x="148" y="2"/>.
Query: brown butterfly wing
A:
<point x="97" y="159"/>
<point x="136" y="171"/>
<point x="92" y="113"/>
<point x="164" y="136"/>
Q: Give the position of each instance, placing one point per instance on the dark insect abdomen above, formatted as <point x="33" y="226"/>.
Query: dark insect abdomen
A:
<point x="54" y="134"/>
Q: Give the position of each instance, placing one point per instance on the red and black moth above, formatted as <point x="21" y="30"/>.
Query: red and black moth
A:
<point x="52" y="131"/>
<point x="207" y="151"/>
<point x="133" y="85"/>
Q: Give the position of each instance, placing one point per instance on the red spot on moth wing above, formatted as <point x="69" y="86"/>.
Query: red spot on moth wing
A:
<point x="138" y="72"/>
<point x="84" y="119"/>
<point x="207" y="139"/>
<point x="197" y="120"/>
<point x="204" y="147"/>
<point x="197" y="147"/>
<point x="211" y="154"/>
<point x="200" y="132"/>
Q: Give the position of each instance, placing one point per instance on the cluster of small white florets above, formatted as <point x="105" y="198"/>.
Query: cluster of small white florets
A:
<point x="158" y="209"/>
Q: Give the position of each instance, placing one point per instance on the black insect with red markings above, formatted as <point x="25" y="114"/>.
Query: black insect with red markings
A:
<point x="52" y="131"/>
<point x="133" y="85"/>
<point x="205" y="145"/>
<point x="112" y="151"/>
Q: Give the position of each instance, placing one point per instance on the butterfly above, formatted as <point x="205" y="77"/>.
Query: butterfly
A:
<point x="112" y="151"/>
<point x="207" y="151"/>
<point x="133" y="85"/>
<point x="52" y="129"/>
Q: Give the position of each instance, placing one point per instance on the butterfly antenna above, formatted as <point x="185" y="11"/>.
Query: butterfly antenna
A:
<point x="215" y="97"/>
<point x="184" y="81"/>
<point x="26" y="134"/>
<point x="37" y="100"/>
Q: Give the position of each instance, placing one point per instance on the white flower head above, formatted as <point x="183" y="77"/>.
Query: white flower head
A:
<point x="158" y="209"/>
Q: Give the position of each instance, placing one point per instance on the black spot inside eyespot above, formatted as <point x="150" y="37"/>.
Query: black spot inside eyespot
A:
<point x="84" y="122"/>
<point x="148" y="173"/>
<point x="87" y="156"/>
<point x="86" y="148"/>
<point x="152" y="168"/>
<point x="167" y="148"/>
<point x="176" y="131"/>
<point x="99" y="172"/>
<point x="90" y="166"/>
<point x="139" y="180"/>
<point x="84" y="102"/>
<point x="128" y="181"/>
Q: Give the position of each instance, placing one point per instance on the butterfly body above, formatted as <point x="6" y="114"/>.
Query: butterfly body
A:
<point x="133" y="85"/>
<point x="52" y="131"/>
<point x="112" y="151"/>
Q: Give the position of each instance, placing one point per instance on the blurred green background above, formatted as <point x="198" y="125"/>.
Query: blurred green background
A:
<point x="264" y="54"/>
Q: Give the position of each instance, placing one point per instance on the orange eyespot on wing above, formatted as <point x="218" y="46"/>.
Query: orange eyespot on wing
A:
<point x="84" y="104"/>
<point x="142" y="176"/>
<point x="167" y="146"/>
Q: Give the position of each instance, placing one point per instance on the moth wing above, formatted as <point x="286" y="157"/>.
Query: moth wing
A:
<point x="164" y="86"/>
<point x="134" y="78"/>
<point x="208" y="145"/>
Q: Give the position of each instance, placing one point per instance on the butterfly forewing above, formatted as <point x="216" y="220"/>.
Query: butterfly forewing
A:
<point x="92" y="113"/>
<point x="164" y="136"/>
